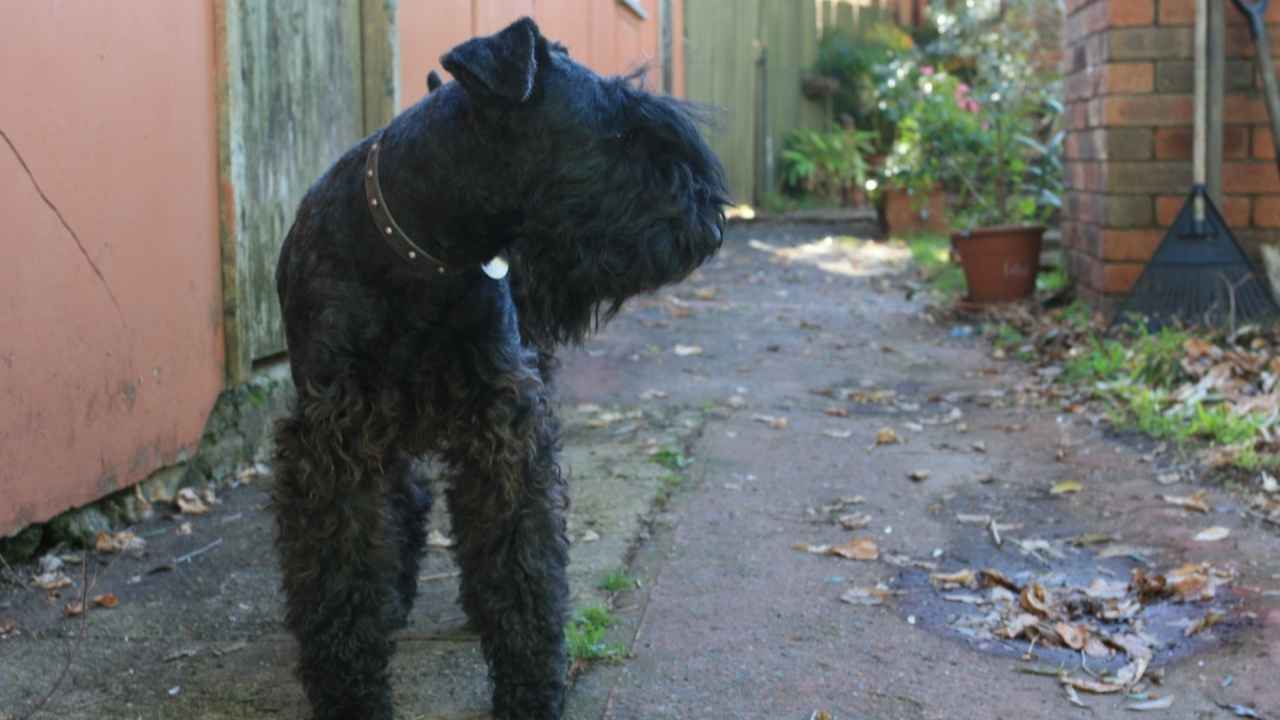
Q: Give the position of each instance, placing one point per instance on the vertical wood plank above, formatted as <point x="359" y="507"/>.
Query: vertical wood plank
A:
<point x="720" y="70"/>
<point x="380" y="56"/>
<point x="292" y="101"/>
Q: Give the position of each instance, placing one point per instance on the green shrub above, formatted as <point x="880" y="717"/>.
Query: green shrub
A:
<point x="827" y="164"/>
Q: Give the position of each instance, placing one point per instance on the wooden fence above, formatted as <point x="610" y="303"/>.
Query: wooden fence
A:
<point x="748" y="58"/>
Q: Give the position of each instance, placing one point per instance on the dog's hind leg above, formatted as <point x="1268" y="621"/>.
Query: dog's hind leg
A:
<point x="507" y="501"/>
<point x="339" y="570"/>
<point x="409" y="501"/>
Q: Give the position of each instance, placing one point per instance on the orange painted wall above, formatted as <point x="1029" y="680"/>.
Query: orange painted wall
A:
<point x="111" y="347"/>
<point x="603" y="34"/>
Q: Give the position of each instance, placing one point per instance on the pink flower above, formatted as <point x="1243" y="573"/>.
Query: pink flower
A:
<point x="926" y="70"/>
<point x="963" y="99"/>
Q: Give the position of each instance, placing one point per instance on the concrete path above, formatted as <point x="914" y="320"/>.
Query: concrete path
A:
<point x="709" y="429"/>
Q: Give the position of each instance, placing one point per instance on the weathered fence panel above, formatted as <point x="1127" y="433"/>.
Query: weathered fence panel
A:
<point x="293" y="101"/>
<point x="726" y="42"/>
<point x="720" y="70"/>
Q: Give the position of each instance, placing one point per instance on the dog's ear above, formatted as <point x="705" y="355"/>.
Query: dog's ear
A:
<point x="433" y="82"/>
<point x="497" y="66"/>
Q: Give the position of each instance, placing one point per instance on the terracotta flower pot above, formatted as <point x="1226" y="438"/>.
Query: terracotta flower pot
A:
<point x="905" y="214"/>
<point x="1000" y="263"/>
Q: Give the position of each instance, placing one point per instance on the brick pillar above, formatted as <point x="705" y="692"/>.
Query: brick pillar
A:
<point x="1128" y="91"/>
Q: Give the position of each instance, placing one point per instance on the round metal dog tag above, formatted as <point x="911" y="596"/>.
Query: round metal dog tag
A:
<point x="495" y="268"/>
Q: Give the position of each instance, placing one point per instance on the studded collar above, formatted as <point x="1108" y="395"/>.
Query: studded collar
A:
<point x="396" y="238"/>
<point x="387" y="226"/>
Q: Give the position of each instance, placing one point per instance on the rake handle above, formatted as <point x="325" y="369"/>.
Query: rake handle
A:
<point x="1257" y="26"/>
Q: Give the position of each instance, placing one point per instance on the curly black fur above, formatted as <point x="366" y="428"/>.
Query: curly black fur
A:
<point x="595" y="191"/>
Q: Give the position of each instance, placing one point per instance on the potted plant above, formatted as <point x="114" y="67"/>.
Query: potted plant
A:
<point x="1006" y="177"/>
<point x="933" y="122"/>
<point x="973" y="144"/>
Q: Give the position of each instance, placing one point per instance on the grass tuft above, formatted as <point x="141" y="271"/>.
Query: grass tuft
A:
<point x="616" y="580"/>
<point x="584" y="636"/>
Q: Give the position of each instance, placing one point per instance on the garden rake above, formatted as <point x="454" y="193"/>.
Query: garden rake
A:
<point x="1199" y="274"/>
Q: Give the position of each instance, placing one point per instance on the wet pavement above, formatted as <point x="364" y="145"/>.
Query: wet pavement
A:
<point x="772" y="371"/>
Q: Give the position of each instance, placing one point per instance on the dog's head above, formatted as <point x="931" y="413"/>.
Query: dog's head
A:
<point x="612" y="189"/>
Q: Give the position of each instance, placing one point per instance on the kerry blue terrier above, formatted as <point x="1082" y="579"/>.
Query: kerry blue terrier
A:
<point x="407" y="337"/>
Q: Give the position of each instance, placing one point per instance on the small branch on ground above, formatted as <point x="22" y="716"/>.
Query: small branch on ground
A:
<point x="10" y="575"/>
<point x="72" y="648"/>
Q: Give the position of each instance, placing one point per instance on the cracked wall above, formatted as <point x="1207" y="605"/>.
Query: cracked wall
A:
<point x="111" y="347"/>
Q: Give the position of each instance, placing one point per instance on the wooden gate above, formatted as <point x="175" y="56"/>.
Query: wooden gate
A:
<point x="749" y="59"/>
<point x="299" y="82"/>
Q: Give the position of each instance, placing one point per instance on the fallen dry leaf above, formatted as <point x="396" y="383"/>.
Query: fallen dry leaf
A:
<point x="989" y="577"/>
<point x="887" y="436"/>
<point x="1036" y="598"/>
<point x="73" y="609"/>
<point x="1163" y="703"/>
<point x="867" y="596"/>
<point x="1133" y="645"/>
<point x="51" y="581"/>
<point x="854" y="521"/>
<point x="1074" y="698"/>
<point x="958" y="579"/>
<point x="189" y="503"/>
<point x="1130" y="674"/>
<point x="857" y="549"/>
<point x="1129" y="551"/>
<point x="1103" y="589"/>
<point x="249" y="474"/>
<point x="1065" y="487"/>
<point x="1211" y="618"/>
<point x="1212" y="534"/>
<point x="106" y="600"/>
<point x="706" y="293"/>
<point x="1196" y="348"/>
<point x="123" y="541"/>
<point x="1096" y="687"/>
<point x="777" y="423"/>
<point x="1197" y="501"/>
<point x="966" y="598"/>
<point x="1094" y="647"/>
<point x="7" y="625"/>
<point x="836" y="412"/>
<point x="1073" y="636"/>
<point x="1017" y="626"/>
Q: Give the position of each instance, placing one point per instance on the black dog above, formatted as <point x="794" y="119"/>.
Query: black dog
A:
<point x="406" y="339"/>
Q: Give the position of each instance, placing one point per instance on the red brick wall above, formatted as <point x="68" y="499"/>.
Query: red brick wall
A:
<point x="1129" y="77"/>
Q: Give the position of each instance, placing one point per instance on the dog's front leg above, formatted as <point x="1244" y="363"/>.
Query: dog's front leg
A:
<point x="507" y="502"/>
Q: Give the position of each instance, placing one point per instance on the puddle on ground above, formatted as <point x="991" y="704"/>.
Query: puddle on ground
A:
<point x="1065" y="571"/>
